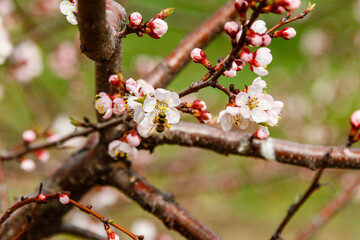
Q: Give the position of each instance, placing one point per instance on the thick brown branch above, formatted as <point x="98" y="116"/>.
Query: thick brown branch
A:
<point x="97" y="28"/>
<point x="200" y="37"/>
<point x="334" y="206"/>
<point x="160" y="204"/>
<point x="241" y="143"/>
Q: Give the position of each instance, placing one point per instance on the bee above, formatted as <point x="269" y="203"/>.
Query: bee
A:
<point x="161" y="127"/>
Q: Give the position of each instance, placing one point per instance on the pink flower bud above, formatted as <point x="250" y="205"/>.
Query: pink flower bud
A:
<point x="64" y="198"/>
<point x="197" y="55"/>
<point x="135" y="19"/>
<point x="289" y="5"/>
<point x="131" y="86"/>
<point x="231" y="28"/>
<point x="41" y="198"/>
<point x="27" y="164"/>
<point x="133" y="139"/>
<point x="119" y="106"/>
<point x="112" y="235"/>
<point x="286" y="33"/>
<point x="260" y="134"/>
<point x="42" y="155"/>
<point x="156" y="28"/>
<point x="241" y="6"/>
<point x="114" y="80"/>
<point x="199" y="104"/>
<point x="355" y="119"/>
<point x="254" y="39"/>
<point x="232" y="72"/>
<point x="240" y="64"/>
<point x="29" y="136"/>
<point x="246" y="55"/>
<point x="266" y="40"/>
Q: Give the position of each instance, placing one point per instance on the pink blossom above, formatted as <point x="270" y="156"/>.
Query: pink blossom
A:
<point x="231" y="28"/>
<point x="114" y="80"/>
<point x="41" y="198"/>
<point x="104" y="105"/>
<point x="289" y="5"/>
<point x="29" y="135"/>
<point x="246" y="55"/>
<point x="260" y="134"/>
<point x="261" y="59"/>
<point x="198" y="55"/>
<point x="26" y="62"/>
<point x="42" y="155"/>
<point x="133" y="139"/>
<point x="27" y="164"/>
<point x="64" y="198"/>
<point x="156" y="28"/>
<point x="131" y="86"/>
<point x="135" y="19"/>
<point x="64" y="60"/>
<point x="355" y="119"/>
<point x="266" y="40"/>
<point x="286" y="33"/>
<point x="119" y="106"/>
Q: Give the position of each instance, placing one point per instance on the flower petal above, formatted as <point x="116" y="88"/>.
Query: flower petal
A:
<point x="173" y="115"/>
<point x="258" y="115"/>
<point x="149" y="104"/>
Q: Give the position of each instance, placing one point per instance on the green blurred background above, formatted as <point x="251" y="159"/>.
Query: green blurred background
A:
<point x="316" y="75"/>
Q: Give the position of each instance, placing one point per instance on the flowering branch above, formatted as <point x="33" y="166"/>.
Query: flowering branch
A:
<point x="315" y="185"/>
<point x="42" y="199"/>
<point x="200" y="37"/>
<point x="21" y="150"/>
<point x="328" y="211"/>
<point x="271" y="149"/>
<point x="161" y="204"/>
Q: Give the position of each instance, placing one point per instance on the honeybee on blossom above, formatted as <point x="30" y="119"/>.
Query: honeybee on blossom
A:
<point x="161" y="127"/>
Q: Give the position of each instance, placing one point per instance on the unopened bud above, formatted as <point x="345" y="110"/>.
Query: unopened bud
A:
<point x="231" y="28"/>
<point x="114" y="80"/>
<point x="27" y="164"/>
<point x="156" y="28"/>
<point x="260" y="134"/>
<point x="112" y="235"/>
<point x="64" y="198"/>
<point x="42" y="155"/>
<point x="41" y="198"/>
<point x="29" y="136"/>
<point x="241" y="6"/>
<point x="355" y="119"/>
<point x="165" y="13"/>
<point x="198" y="56"/>
<point x="133" y="139"/>
<point x="135" y="19"/>
<point x="286" y="33"/>
<point x="246" y="55"/>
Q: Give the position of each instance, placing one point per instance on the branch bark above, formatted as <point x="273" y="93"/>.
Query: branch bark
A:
<point x="200" y="37"/>
<point x="161" y="204"/>
<point x="79" y="232"/>
<point x="241" y="143"/>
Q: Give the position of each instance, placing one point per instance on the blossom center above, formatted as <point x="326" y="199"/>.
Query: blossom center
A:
<point x="161" y="105"/>
<point x="253" y="103"/>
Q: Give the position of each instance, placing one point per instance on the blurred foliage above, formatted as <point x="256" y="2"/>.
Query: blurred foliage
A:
<point x="316" y="75"/>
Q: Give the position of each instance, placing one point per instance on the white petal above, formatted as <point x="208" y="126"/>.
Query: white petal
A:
<point x="241" y="99"/>
<point x="173" y="115"/>
<point x="244" y="123"/>
<point x="67" y="8"/>
<point x="260" y="71"/>
<point x="245" y="111"/>
<point x="259" y="115"/>
<point x="175" y="99"/>
<point x="72" y="19"/>
<point x="227" y="123"/>
<point x="233" y="110"/>
<point x="263" y="56"/>
<point x="149" y="104"/>
<point x="222" y="114"/>
<point x="144" y="127"/>
<point x="162" y="94"/>
<point x="139" y="114"/>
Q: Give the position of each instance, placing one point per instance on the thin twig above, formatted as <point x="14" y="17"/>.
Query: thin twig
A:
<point x="80" y="232"/>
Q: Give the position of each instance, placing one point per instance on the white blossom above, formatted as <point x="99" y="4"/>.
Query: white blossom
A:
<point x="70" y="9"/>
<point x="262" y="58"/>
<point x="120" y="148"/>
<point x="230" y="117"/>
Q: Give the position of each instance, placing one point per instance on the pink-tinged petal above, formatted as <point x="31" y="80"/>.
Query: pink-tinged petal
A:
<point x="173" y="115"/>
<point x="222" y="114"/>
<point x="144" y="126"/>
<point x="230" y="74"/>
<point x="233" y="110"/>
<point x="259" y="26"/>
<point x="108" y="113"/>
<point x="241" y="99"/>
<point x="227" y="123"/>
<point x="245" y="111"/>
<point x="260" y="71"/>
<point x="263" y="56"/>
<point x="29" y="135"/>
<point x="273" y="118"/>
<point x="133" y="139"/>
<point x="149" y="104"/>
<point x="112" y="148"/>
<point x="258" y="115"/>
<point x="265" y="129"/>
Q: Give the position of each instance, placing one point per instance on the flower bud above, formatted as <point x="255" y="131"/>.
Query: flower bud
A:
<point x="114" y="80"/>
<point x="240" y="64"/>
<point x="133" y="139"/>
<point x="27" y="164"/>
<point x="135" y="19"/>
<point x="156" y="28"/>
<point x="64" y="198"/>
<point x="289" y="5"/>
<point x="260" y="134"/>
<point x="41" y="198"/>
<point x="241" y="6"/>
<point x="286" y="33"/>
<point x="246" y="55"/>
<point x="29" y="136"/>
<point x="231" y="28"/>
<point x="355" y="119"/>
<point x="198" y="56"/>
<point x="199" y="104"/>
<point x="42" y="155"/>
<point x="111" y="234"/>
<point x="266" y="40"/>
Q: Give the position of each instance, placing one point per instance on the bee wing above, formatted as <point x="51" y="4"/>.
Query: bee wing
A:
<point x="167" y="133"/>
<point x="153" y="131"/>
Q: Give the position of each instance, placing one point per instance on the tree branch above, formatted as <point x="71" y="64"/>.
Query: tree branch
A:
<point x="241" y="143"/>
<point x="76" y="231"/>
<point x="161" y="204"/>
<point x="200" y="37"/>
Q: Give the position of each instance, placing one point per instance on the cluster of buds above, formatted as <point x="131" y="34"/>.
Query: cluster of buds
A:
<point x="125" y="146"/>
<point x="109" y="105"/>
<point x="198" y="110"/>
<point x="354" y="134"/>
<point x="155" y="28"/>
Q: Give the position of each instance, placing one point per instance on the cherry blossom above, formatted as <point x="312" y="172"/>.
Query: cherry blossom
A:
<point x="27" y="164"/>
<point x="230" y="117"/>
<point x="137" y="110"/>
<point x="133" y="139"/>
<point x="6" y="46"/>
<point x="289" y="5"/>
<point x="26" y="62"/>
<point x="286" y="33"/>
<point x="29" y="135"/>
<point x="135" y="19"/>
<point x="145" y="125"/>
<point x="156" y="28"/>
<point x="118" y="106"/>
<point x="120" y="148"/>
<point x="259" y="26"/>
<point x="231" y="28"/>
<point x="164" y="101"/>
<point x="70" y="9"/>
<point x="261" y="134"/>
<point x="261" y="59"/>
<point x="104" y="105"/>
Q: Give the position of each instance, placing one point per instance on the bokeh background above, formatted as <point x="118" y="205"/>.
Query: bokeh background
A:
<point x="316" y="75"/>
